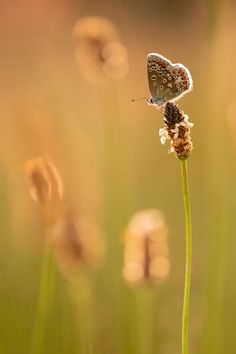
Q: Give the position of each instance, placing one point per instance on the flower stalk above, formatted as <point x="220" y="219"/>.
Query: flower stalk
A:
<point x="188" y="226"/>
<point x="43" y="302"/>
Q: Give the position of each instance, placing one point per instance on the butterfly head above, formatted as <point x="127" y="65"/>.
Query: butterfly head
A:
<point x="156" y="101"/>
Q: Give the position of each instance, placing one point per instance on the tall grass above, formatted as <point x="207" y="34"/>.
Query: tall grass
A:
<point x="109" y="158"/>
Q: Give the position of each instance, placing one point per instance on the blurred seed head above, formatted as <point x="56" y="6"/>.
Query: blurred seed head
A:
<point x="98" y="50"/>
<point x="45" y="183"/>
<point x="77" y="243"/>
<point x="146" y="257"/>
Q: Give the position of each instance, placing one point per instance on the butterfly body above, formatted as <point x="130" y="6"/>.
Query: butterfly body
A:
<point x="167" y="81"/>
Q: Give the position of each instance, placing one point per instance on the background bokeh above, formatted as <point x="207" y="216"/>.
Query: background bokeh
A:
<point x="108" y="152"/>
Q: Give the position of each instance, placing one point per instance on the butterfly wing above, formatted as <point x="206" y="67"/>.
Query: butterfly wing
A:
<point x="166" y="81"/>
<point x="182" y="79"/>
<point x="155" y="74"/>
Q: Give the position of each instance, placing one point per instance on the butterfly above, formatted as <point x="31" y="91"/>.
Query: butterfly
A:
<point x="167" y="81"/>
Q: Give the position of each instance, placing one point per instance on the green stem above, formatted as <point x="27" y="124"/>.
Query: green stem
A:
<point x="43" y="303"/>
<point x="83" y="310"/>
<point x="144" y="340"/>
<point x="186" y="304"/>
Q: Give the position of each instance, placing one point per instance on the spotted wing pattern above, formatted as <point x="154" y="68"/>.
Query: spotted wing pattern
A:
<point x="166" y="81"/>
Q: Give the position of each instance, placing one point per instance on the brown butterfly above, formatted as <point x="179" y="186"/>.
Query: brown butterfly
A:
<point x="167" y="81"/>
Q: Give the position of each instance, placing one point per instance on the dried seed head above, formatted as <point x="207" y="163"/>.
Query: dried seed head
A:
<point x="98" y="51"/>
<point x="44" y="180"/>
<point x="45" y="186"/>
<point x="146" y="257"/>
<point x="177" y="129"/>
<point x="77" y="242"/>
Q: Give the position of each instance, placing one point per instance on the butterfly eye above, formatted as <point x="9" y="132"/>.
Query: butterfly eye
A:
<point x="150" y="101"/>
<point x="161" y="87"/>
<point x="164" y="81"/>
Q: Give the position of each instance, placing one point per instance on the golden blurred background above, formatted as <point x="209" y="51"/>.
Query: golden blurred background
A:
<point x="68" y="72"/>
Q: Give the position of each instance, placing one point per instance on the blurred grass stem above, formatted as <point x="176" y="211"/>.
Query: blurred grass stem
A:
<point x="83" y="310"/>
<point x="186" y="304"/>
<point x="144" y="321"/>
<point x="43" y="302"/>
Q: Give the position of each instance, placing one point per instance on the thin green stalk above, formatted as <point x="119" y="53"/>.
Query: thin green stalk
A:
<point x="43" y="303"/>
<point x="82" y="302"/>
<point x="144" y="324"/>
<point x="186" y="304"/>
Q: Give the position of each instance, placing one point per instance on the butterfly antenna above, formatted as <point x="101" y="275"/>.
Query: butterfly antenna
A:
<point x="138" y="99"/>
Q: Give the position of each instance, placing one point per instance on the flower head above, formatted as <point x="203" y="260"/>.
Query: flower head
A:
<point x="44" y="180"/>
<point x="177" y="130"/>
<point x="98" y="50"/>
<point x="45" y="184"/>
<point x="77" y="242"/>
